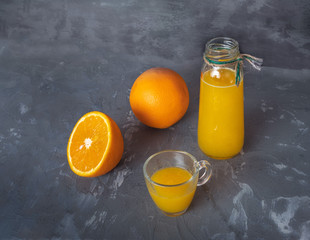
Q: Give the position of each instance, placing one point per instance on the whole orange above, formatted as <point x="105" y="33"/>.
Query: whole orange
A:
<point x="159" y="97"/>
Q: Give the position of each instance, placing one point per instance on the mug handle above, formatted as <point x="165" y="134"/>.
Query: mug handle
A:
<point x="207" y="172"/>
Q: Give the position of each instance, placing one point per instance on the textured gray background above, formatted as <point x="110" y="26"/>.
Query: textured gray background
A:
<point x="61" y="59"/>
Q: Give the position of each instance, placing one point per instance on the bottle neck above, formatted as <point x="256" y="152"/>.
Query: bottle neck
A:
<point x="222" y="49"/>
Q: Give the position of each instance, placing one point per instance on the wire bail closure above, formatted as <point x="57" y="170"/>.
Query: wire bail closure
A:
<point x="254" y="61"/>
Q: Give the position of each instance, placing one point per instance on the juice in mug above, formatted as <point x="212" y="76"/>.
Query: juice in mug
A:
<point x="221" y="114"/>
<point x="174" y="199"/>
<point x="172" y="177"/>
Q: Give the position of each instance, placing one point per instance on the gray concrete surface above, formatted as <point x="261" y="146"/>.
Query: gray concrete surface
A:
<point x="61" y="59"/>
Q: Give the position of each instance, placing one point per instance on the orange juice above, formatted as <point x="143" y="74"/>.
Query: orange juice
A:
<point x="174" y="198"/>
<point x="221" y="114"/>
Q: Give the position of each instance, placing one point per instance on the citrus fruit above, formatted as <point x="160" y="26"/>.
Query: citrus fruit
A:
<point x="95" y="145"/>
<point x="159" y="97"/>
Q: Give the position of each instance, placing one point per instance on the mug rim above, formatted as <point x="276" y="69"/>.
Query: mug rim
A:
<point x="165" y="151"/>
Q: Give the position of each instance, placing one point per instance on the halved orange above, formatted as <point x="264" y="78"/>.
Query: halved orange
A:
<point x="95" y="145"/>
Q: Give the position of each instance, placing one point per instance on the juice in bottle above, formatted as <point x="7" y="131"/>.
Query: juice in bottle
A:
<point x="221" y="114"/>
<point x="173" y="199"/>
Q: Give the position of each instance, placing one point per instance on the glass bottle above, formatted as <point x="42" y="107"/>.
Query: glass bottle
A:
<point x="221" y="108"/>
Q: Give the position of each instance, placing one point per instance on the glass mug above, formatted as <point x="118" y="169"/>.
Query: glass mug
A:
<point x="221" y="115"/>
<point x="172" y="177"/>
